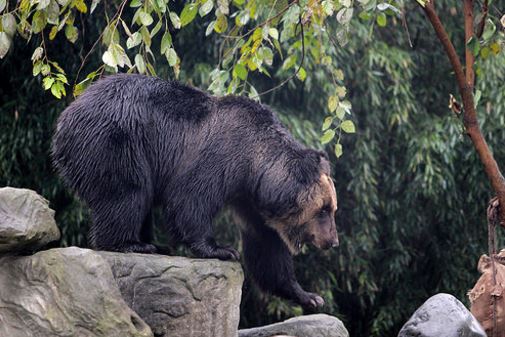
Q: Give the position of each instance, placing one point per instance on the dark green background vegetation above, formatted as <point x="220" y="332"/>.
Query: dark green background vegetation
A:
<point x="412" y="192"/>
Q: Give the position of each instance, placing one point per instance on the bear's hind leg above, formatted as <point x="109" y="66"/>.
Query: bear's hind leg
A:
<point x="117" y="224"/>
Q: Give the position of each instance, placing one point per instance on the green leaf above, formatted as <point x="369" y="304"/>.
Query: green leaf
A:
<point x="53" y="32"/>
<point x="346" y="3"/>
<point x="484" y="52"/>
<point x="171" y="57"/>
<point x="340" y="112"/>
<point x="328" y="135"/>
<point x="344" y="15"/>
<point x="473" y="45"/>
<point x="53" y="14"/>
<point x="42" y="4"/>
<point x="221" y="24"/>
<point x="71" y="33"/>
<point x="110" y="34"/>
<point x="327" y="7"/>
<point x="346" y="105"/>
<point x="47" y="82"/>
<point x="341" y="91"/>
<point x="274" y="33"/>
<point x="94" y="3"/>
<point x="327" y="123"/>
<point x="490" y="29"/>
<point x="45" y="69"/>
<point x="39" y="21"/>
<point x="338" y="150"/>
<point x="240" y="71"/>
<point x="166" y="42"/>
<point x="109" y="59"/>
<point x="301" y="74"/>
<point x="3" y="4"/>
<point x="382" y="20"/>
<point x="495" y="48"/>
<point x="146" y="37"/>
<point x="156" y="28"/>
<point x="210" y="28"/>
<point x="223" y="6"/>
<point x="206" y="7"/>
<point x="135" y="3"/>
<point x="81" y="6"/>
<point x="9" y="24"/>
<point x="242" y="19"/>
<point x="5" y="44"/>
<point x="145" y="18"/>
<point x="188" y="13"/>
<point x="57" y="89"/>
<point x="289" y="62"/>
<point x="332" y="103"/>
<point x="348" y="126"/>
<point x="133" y="40"/>
<point x="365" y="16"/>
<point x="477" y="96"/>
<point x="140" y="64"/>
<point x="267" y="55"/>
<point x="36" y="68"/>
<point x="176" y="21"/>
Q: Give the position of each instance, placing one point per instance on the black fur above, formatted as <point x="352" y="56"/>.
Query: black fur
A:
<point x="132" y="142"/>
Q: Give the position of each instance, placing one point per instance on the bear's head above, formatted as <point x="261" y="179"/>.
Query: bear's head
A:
<point x="302" y="201"/>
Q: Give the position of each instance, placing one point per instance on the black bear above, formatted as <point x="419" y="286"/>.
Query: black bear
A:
<point x="132" y="142"/>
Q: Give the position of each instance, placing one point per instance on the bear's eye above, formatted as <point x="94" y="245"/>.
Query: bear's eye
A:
<point x="325" y="210"/>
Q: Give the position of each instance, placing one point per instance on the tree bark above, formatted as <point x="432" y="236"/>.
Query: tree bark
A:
<point x="465" y="85"/>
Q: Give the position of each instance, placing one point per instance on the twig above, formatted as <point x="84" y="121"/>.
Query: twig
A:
<point x="118" y="14"/>
<point x="406" y="27"/>
<point x="482" y="23"/>
<point x="492" y="219"/>
<point x="297" y="70"/>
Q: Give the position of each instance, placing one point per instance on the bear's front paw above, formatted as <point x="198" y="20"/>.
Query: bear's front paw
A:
<point x="225" y="253"/>
<point x="311" y="300"/>
<point x="209" y="250"/>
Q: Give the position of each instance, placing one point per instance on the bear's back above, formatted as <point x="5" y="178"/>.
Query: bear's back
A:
<point x="123" y="97"/>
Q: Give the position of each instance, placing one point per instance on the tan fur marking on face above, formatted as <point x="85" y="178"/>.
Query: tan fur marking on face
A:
<point x="309" y="203"/>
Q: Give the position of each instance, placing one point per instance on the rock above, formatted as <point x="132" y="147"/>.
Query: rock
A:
<point x="320" y="325"/>
<point x="26" y="221"/>
<point x="63" y="292"/>
<point x="488" y="292"/>
<point x="177" y="296"/>
<point x="442" y="315"/>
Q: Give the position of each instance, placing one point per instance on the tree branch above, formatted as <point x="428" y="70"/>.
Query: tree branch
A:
<point x="482" y="22"/>
<point x="468" y="13"/>
<point x="470" y="118"/>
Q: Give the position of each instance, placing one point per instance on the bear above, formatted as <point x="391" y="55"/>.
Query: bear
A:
<point x="133" y="142"/>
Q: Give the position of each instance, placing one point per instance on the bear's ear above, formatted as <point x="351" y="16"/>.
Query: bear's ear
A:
<point x="309" y="165"/>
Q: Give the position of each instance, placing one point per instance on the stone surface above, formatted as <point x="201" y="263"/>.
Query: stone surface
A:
<point x="63" y="292"/>
<point x="320" y="325"/>
<point x="442" y="315"/>
<point x="26" y="221"/>
<point x="177" y="296"/>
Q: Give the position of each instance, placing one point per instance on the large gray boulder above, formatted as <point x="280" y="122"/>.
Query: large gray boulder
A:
<point x="178" y="296"/>
<point x="63" y="292"/>
<point x="320" y="325"/>
<point x="442" y="315"/>
<point x="26" y="221"/>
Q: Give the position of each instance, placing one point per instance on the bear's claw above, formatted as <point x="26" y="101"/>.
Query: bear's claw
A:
<point x="311" y="301"/>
